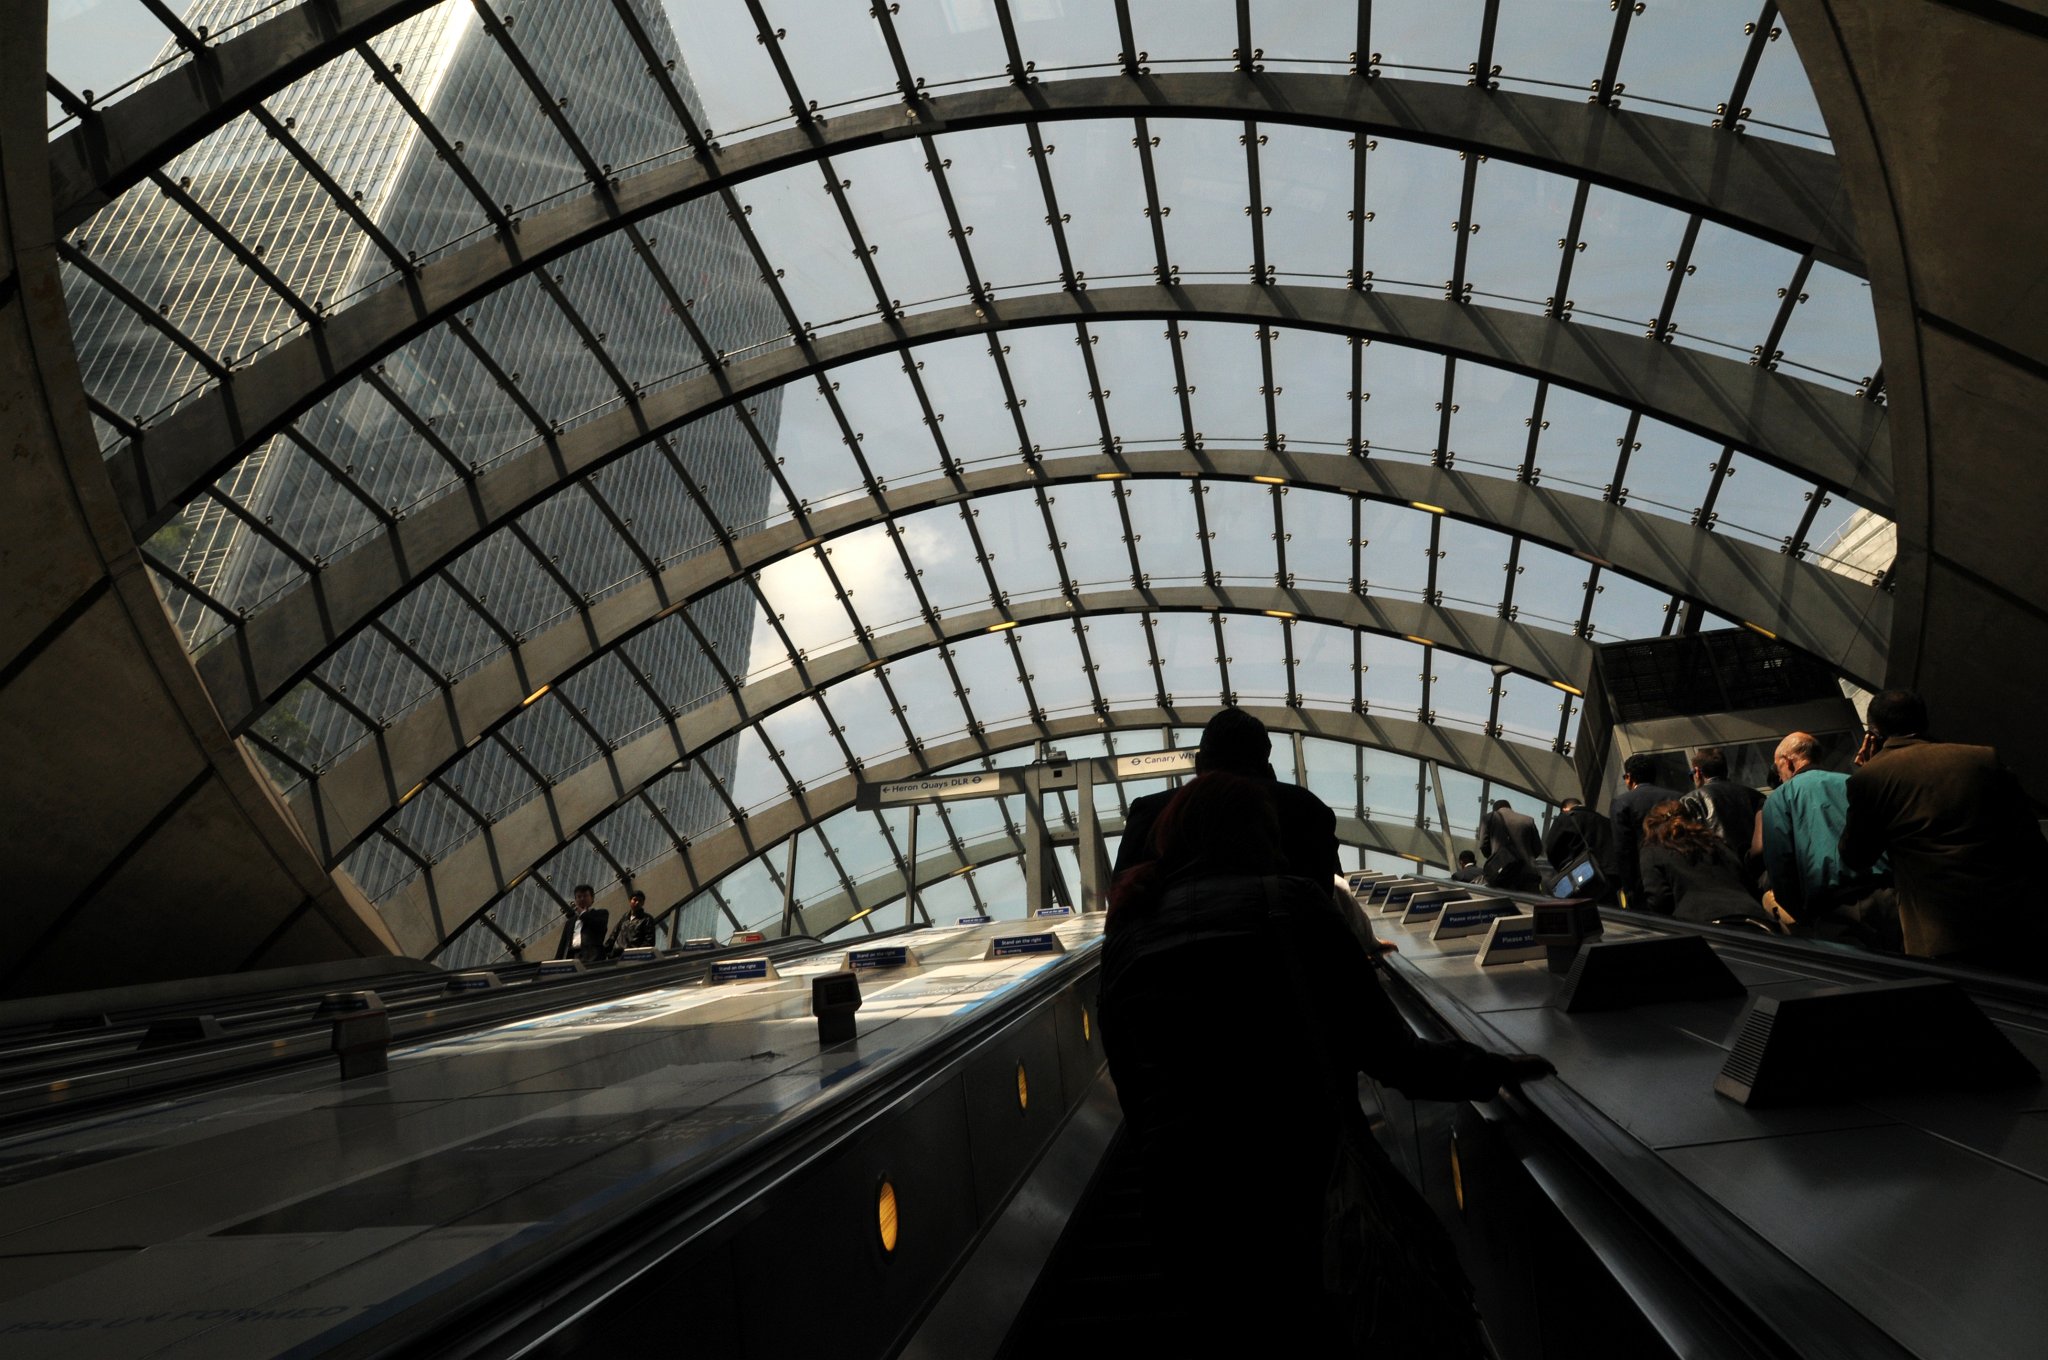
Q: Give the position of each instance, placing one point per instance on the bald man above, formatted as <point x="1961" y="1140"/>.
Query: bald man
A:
<point x="1801" y="826"/>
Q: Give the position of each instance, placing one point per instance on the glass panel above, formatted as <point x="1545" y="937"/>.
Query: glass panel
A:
<point x="1832" y="337"/>
<point x="1529" y="710"/>
<point x="1200" y="32"/>
<point x="730" y="69"/>
<point x="1257" y="651"/>
<point x="1051" y="380"/>
<point x="1555" y="42"/>
<point x="1394" y="558"/>
<point x="1393" y="674"/>
<point x="1412" y="194"/>
<point x="1669" y="472"/>
<point x="1323" y="662"/>
<point x="1472" y="570"/>
<point x="896" y="203"/>
<point x="1761" y="504"/>
<point x="1318" y="528"/>
<point x="1102" y="195"/>
<point x="1333" y="774"/>
<point x="1550" y="587"/>
<point x="1683" y="58"/>
<point x="1054" y="35"/>
<point x="860" y="707"/>
<point x="1123" y="660"/>
<point x="1522" y="214"/>
<point x="802" y="234"/>
<point x="1224" y="377"/>
<point x="801" y="735"/>
<point x="1136" y="368"/>
<point x="1012" y="529"/>
<point x="1490" y="413"/>
<point x="1579" y="443"/>
<point x="1308" y="37"/>
<point x="1732" y="291"/>
<point x="1618" y="279"/>
<point x="1626" y="608"/>
<point x="952" y="41"/>
<point x="1430" y="39"/>
<point x="98" y="46"/>
<point x="1313" y="373"/>
<point x="1163" y="521"/>
<point x="1091" y="535"/>
<point x="871" y="570"/>
<point x="966" y="390"/>
<point x="1461" y="695"/>
<point x="810" y="610"/>
<point x="1200" y="165"/>
<point x="1187" y="657"/>
<point x="1403" y="387"/>
<point x="835" y="51"/>
<point x="1054" y="667"/>
<point x="1781" y="98"/>
<point x="994" y="186"/>
<point x="924" y="688"/>
<point x="1241" y="531"/>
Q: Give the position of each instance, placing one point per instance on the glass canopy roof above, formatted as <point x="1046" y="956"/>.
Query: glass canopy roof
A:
<point x="904" y="527"/>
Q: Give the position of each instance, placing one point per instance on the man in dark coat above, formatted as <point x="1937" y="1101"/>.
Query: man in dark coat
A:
<point x="1234" y="740"/>
<point x="1578" y="830"/>
<point x="1638" y="797"/>
<point x="1965" y="850"/>
<point x="1503" y="828"/>
<point x="583" y="933"/>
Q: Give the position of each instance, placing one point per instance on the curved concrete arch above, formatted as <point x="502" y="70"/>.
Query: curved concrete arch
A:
<point x="1785" y="194"/>
<point x="476" y="873"/>
<point x="1832" y="438"/>
<point x="824" y="915"/>
<point x="365" y="787"/>
<point x="1735" y="403"/>
<point x="674" y="876"/>
<point x="1831" y="616"/>
<point x="117" y="146"/>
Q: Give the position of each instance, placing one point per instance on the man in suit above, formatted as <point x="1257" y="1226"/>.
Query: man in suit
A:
<point x="1468" y="868"/>
<point x="1234" y="740"/>
<point x="1965" y="850"/>
<point x="1719" y="803"/>
<point x="1503" y="828"/>
<point x="1638" y="797"/>
<point x="583" y="933"/>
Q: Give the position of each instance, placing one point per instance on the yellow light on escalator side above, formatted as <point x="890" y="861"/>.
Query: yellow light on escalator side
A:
<point x="1087" y="1030"/>
<point x="885" y="1211"/>
<point x="1023" y="1089"/>
<point x="1457" y="1175"/>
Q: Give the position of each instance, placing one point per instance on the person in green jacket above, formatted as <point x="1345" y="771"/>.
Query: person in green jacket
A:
<point x="1812" y="890"/>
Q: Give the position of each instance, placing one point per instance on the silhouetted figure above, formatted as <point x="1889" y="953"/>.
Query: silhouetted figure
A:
<point x="1966" y="854"/>
<point x="1468" y="868"/>
<point x="1237" y="1011"/>
<point x="1236" y="741"/>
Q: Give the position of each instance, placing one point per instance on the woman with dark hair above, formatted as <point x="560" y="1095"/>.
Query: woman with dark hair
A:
<point x="1238" y="1009"/>
<point x="1688" y="870"/>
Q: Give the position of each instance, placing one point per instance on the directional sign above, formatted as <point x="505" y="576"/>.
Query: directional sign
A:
<point x="1153" y="764"/>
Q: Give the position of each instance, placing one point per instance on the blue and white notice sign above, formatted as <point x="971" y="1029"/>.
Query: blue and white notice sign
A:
<point x="742" y="970"/>
<point x="1054" y="911"/>
<point x="1511" y="939"/>
<point x="973" y="920"/>
<point x="1471" y="917"/>
<point x="878" y="956"/>
<point x="1037" y="942"/>
<point x="698" y="945"/>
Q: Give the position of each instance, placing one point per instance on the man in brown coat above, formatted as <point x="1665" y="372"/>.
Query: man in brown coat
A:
<point x="1966" y="852"/>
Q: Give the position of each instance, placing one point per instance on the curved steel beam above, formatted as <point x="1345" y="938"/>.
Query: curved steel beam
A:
<point x="116" y="147"/>
<point x="674" y="876"/>
<point x="366" y="786"/>
<point x="827" y="914"/>
<point x="1823" y="436"/>
<point x="1831" y="616"/>
<point x="1784" y="194"/>
<point x="475" y="874"/>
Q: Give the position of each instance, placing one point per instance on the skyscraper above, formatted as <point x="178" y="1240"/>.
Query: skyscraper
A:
<point x="371" y="164"/>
